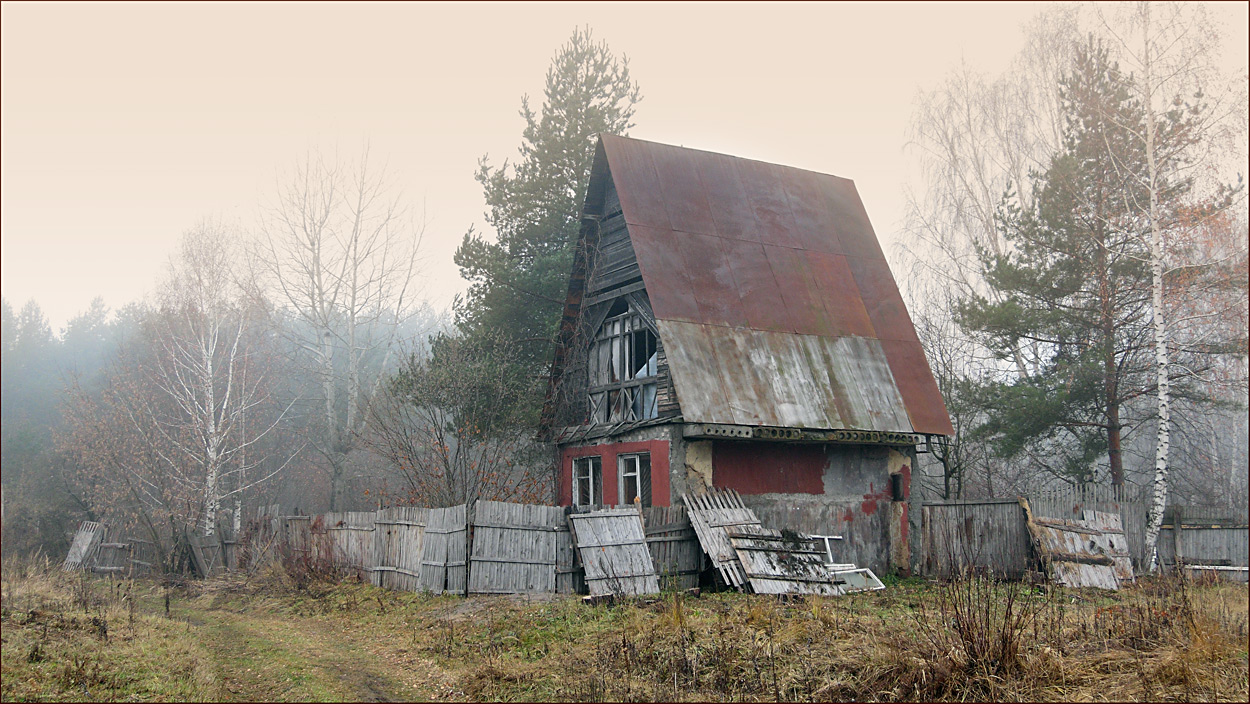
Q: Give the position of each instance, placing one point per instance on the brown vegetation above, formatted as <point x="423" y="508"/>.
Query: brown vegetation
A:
<point x="273" y="637"/>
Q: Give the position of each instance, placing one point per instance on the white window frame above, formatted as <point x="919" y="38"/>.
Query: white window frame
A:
<point x="623" y="470"/>
<point x="591" y="463"/>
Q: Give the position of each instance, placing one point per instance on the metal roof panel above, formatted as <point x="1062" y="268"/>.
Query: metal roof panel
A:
<point x="919" y="390"/>
<point x="773" y="298"/>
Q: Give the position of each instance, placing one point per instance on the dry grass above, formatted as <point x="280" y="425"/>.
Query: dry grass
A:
<point x="66" y="636"/>
<point x="279" y="637"/>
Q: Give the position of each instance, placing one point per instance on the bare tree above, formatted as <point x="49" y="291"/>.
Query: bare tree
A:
<point x="206" y="336"/>
<point x="977" y="138"/>
<point x="449" y="421"/>
<point x="340" y="252"/>
<point x="186" y="415"/>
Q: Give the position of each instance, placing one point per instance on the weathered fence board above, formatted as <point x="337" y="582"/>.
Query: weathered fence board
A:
<point x="350" y="535"/>
<point x="613" y="548"/>
<point x="987" y="536"/>
<point x="570" y="577"/>
<point x="781" y="564"/>
<point x="444" y="554"/>
<point x="82" y="550"/>
<point x="514" y="548"/>
<point x="1207" y="545"/>
<point x="398" y="538"/>
<point x="674" y="546"/>
<point x="712" y="514"/>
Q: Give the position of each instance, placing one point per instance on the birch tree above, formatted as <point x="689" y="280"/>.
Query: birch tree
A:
<point x="206" y="339"/>
<point x="1189" y="117"/>
<point x="340" y="252"/>
<point x="185" y="415"/>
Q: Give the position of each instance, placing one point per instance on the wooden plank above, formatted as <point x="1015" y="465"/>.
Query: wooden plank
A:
<point x="514" y="548"/>
<point x="614" y="553"/>
<point x="710" y="514"/>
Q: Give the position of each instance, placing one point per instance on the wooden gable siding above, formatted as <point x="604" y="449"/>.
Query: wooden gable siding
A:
<point x="613" y="261"/>
<point x="613" y="266"/>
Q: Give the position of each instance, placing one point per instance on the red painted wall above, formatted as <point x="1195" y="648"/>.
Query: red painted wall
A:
<point x="608" y="453"/>
<point x="765" y="468"/>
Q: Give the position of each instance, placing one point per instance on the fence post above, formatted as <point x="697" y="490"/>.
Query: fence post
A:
<point x="1177" y="522"/>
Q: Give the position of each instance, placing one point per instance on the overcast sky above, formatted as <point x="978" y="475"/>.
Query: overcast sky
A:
<point x="125" y="124"/>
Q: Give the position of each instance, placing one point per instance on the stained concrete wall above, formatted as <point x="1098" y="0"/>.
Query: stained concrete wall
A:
<point x="856" y="502"/>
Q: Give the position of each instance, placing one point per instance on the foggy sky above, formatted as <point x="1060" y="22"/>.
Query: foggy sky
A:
<point x="123" y="125"/>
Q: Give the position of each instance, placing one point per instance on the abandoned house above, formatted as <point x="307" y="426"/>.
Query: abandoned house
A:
<point x="734" y="324"/>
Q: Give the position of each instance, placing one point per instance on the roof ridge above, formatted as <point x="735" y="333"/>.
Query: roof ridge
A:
<point x="730" y="156"/>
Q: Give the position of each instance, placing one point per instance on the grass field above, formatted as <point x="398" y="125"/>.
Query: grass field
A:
<point x="72" y="637"/>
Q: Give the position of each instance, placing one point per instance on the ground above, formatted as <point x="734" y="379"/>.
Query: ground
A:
<point x="268" y="637"/>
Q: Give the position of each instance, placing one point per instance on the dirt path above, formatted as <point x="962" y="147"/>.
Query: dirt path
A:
<point x="281" y="657"/>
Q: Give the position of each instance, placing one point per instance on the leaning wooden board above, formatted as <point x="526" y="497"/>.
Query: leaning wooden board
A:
<point x="1084" y="553"/>
<point x="714" y="513"/>
<point x="613" y="548"/>
<point x="86" y="541"/>
<point x="776" y="563"/>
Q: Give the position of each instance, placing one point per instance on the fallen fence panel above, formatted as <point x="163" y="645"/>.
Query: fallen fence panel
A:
<point x="781" y="563"/>
<point x="712" y="514"/>
<point x="613" y="548"/>
<point x="86" y="541"/>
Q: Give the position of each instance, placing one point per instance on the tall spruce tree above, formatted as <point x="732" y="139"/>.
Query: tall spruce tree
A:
<point x="1076" y="283"/>
<point x="518" y="281"/>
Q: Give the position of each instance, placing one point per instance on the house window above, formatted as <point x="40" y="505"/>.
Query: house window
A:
<point x="635" y="477"/>
<point x="587" y="481"/>
<point x="622" y="369"/>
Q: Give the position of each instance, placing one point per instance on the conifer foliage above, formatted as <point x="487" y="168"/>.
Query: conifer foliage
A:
<point x="518" y="281"/>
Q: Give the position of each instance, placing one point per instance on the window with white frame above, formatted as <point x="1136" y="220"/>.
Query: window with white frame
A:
<point x="622" y="369"/>
<point x="634" y="472"/>
<point x="587" y="481"/>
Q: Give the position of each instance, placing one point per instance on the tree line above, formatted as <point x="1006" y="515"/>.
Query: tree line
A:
<point x="1075" y="259"/>
<point x="1079" y="261"/>
<point x="292" y="360"/>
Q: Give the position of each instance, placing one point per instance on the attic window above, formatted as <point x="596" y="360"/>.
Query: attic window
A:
<point x="622" y="369"/>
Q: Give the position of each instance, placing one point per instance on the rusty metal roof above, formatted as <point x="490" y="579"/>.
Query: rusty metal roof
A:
<point x="773" y="298"/>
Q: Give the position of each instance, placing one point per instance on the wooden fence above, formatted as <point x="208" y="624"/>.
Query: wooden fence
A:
<point x="399" y="534"/>
<point x="489" y="548"/>
<point x="991" y="534"/>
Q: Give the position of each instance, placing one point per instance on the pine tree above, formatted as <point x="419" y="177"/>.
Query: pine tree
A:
<point x="1075" y="283"/>
<point x="518" y="282"/>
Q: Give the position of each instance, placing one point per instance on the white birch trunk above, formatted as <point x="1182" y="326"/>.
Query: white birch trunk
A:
<point x="1158" y="320"/>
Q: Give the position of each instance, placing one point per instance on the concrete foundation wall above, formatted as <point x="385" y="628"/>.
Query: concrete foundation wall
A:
<point x="824" y="489"/>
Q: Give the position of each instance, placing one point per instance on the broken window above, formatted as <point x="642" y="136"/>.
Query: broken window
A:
<point x="622" y="369"/>
<point x="587" y="481"/>
<point x="635" y="474"/>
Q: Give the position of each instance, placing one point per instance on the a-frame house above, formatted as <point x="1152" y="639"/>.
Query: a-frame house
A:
<point x="734" y="323"/>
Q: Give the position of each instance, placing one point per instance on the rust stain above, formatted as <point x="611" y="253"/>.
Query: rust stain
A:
<point x="737" y="248"/>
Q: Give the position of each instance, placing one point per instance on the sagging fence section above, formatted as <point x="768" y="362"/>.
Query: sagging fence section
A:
<point x="993" y="535"/>
<point x="490" y="547"/>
